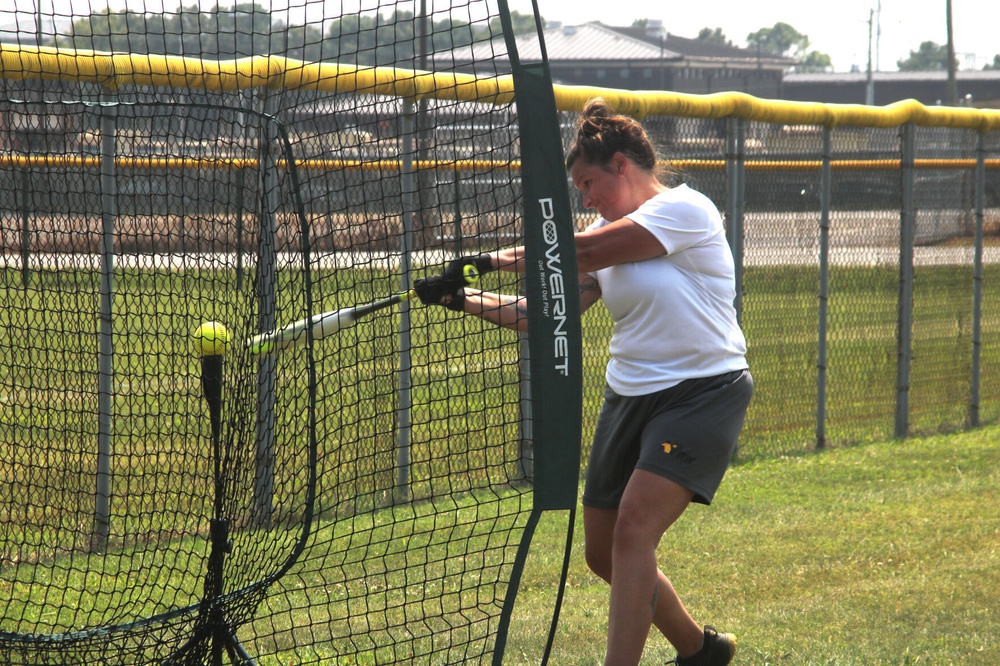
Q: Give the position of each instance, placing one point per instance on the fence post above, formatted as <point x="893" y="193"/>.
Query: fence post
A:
<point x="106" y="360"/>
<point x="26" y="207"/>
<point x="824" y="288"/>
<point x="735" y="173"/>
<point x="408" y="193"/>
<point x="977" y="280"/>
<point x="904" y="322"/>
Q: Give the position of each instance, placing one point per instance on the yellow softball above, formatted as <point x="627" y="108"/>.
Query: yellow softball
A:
<point x="211" y="339"/>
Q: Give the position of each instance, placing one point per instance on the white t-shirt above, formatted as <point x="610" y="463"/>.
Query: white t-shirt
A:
<point x="674" y="315"/>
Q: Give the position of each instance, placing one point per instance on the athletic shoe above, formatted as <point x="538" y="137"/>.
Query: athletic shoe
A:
<point x="717" y="650"/>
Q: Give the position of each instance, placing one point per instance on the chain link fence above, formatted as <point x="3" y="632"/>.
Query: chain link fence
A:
<point x="866" y="258"/>
<point x="865" y="251"/>
<point x="372" y="489"/>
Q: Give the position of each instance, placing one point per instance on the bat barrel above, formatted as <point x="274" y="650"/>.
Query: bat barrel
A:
<point x="322" y="325"/>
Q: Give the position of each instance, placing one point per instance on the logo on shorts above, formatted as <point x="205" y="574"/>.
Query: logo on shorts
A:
<point x="669" y="448"/>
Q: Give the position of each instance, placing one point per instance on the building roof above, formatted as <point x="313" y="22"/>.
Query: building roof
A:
<point x="835" y="78"/>
<point x="595" y="42"/>
<point x="590" y="41"/>
<point x="653" y="33"/>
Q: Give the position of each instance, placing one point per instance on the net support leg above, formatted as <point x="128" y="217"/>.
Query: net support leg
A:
<point x="212" y="625"/>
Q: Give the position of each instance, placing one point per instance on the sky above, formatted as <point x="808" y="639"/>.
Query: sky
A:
<point x="839" y="28"/>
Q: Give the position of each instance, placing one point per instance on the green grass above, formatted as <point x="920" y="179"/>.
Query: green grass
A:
<point x="852" y="556"/>
<point x="463" y="372"/>
<point x="887" y="554"/>
<point x="883" y="554"/>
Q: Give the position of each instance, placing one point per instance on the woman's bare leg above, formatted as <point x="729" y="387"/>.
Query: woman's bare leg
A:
<point x="621" y="548"/>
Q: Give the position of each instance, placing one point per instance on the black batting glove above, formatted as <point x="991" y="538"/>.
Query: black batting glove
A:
<point x="464" y="271"/>
<point x="435" y="290"/>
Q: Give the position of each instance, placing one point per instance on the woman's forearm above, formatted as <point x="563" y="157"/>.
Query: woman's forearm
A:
<point x="501" y="309"/>
<point x="508" y="259"/>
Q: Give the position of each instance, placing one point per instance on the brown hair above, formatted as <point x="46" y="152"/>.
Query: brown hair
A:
<point x="600" y="133"/>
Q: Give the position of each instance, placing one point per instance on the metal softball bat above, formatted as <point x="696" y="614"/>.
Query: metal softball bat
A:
<point x="328" y="323"/>
<point x="322" y="325"/>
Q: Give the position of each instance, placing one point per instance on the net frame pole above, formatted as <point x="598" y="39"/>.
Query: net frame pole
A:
<point x="245" y="128"/>
<point x="526" y="452"/>
<point x="826" y="184"/>
<point x="106" y="349"/>
<point x="554" y="335"/>
<point x="407" y="181"/>
<point x="268" y="285"/>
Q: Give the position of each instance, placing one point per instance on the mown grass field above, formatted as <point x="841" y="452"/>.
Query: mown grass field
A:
<point x="880" y="554"/>
<point x="876" y="554"/>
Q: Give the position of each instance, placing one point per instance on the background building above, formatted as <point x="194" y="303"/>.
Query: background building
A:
<point x="647" y="58"/>
<point x="975" y="87"/>
<point x="650" y="58"/>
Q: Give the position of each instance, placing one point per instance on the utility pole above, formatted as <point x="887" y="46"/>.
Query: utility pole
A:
<point x="952" y="64"/>
<point x="878" y="36"/>
<point x="870" y="82"/>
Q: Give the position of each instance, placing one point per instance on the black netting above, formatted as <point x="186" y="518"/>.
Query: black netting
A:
<point x="362" y="498"/>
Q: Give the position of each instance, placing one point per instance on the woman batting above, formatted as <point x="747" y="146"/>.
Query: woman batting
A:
<point x="677" y="384"/>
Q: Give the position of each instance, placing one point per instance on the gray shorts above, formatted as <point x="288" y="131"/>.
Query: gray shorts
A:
<point x="686" y="433"/>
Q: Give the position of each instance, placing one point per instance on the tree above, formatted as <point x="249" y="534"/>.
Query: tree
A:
<point x="996" y="63"/>
<point x="931" y="56"/>
<point x="248" y="29"/>
<point x="302" y="42"/>
<point x="714" y="37"/>
<point x="780" y="40"/>
<point x="520" y="23"/>
<point x="383" y="40"/>
<point x="243" y="30"/>
<point x="814" y="62"/>
<point x="784" y="40"/>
